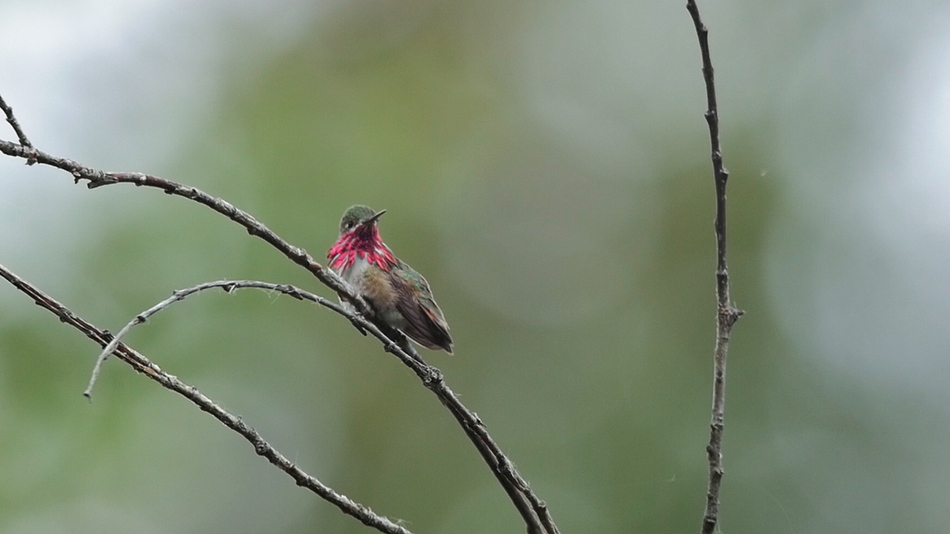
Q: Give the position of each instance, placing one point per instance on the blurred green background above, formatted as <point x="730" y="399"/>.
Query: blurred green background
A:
<point x="545" y="165"/>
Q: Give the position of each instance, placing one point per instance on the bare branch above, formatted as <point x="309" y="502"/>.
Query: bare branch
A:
<point x="261" y="447"/>
<point x="532" y="509"/>
<point x="726" y="315"/>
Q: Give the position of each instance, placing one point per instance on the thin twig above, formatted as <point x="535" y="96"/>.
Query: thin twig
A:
<point x="21" y="135"/>
<point x="228" y="286"/>
<point x="261" y="447"/>
<point x="726" y="315"/>
<point x="533" y="510"/>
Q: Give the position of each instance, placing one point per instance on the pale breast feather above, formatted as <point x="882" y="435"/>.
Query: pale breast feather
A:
<point x="355" y="273"/>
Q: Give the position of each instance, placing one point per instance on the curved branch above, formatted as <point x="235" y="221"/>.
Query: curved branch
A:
<point x="532" y="509"/>
<point x="470" y="422"/>
<point x="228" y="286"/>
<point x="97" y="178"/>
<point x="726" y="315"/>
<point x="141" y="364"/>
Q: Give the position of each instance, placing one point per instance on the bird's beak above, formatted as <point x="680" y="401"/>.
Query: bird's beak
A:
<point x="374" y="218"/>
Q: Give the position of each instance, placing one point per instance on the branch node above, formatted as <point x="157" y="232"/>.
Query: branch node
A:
<point x="432" y="377"/>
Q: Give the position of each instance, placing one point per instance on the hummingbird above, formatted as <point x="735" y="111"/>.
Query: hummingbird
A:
<point x="399" y="295"/>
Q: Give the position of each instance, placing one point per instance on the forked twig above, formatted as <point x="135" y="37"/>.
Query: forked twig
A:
<point x="15" y="124"/>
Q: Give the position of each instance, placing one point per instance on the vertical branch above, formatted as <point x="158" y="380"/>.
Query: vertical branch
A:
<point x="727" y="315"/>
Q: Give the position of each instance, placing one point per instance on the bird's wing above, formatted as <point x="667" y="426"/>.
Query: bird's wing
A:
<point x="425" y="322"/>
